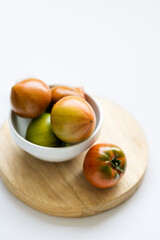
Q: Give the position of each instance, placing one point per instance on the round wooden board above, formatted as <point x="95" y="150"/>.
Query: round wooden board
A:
<point x="61" y="189"/>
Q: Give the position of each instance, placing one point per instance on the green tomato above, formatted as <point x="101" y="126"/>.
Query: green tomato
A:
<point x="40" y="132"/>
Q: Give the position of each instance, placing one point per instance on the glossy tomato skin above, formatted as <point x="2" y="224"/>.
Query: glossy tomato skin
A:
<point x="40" y="132"/>
<point x="30" y="97"/>
<point x="80" y="90"/>
<point x="98" y="168"/>
<point x="59" y="92"/>
<point x="73" y="119"/>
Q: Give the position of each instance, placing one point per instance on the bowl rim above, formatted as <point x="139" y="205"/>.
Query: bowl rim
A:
<point x="98" y="127"/>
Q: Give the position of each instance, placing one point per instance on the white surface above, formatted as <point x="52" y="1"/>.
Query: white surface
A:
<point x="19" y="125"/>
<point x="112" y="48"/>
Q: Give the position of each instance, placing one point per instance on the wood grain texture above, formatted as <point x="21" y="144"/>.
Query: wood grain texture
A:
<point x="61" y="189"/>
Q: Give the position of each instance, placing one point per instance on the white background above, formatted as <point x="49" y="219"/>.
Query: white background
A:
<point x="112" y="48"/>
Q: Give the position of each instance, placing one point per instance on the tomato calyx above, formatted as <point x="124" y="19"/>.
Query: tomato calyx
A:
<point x="115" y="163"/>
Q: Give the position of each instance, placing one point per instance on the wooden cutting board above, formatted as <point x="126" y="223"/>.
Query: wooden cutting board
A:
<point x="61" y="189"/>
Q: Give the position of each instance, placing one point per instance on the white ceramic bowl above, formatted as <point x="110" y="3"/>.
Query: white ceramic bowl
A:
<point x="18" y="127"/>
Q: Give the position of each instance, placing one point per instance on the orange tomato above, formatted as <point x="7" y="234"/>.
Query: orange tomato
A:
<point x="59" y="92"/>
<point x="30" y="98"/>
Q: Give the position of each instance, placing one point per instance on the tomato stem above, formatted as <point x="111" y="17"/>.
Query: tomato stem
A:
<point x="116" y="163"/>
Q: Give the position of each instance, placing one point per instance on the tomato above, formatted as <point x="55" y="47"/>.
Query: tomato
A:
<point x="80" y="90"/>
<point x="30" y="98"/>
<point x="59" y="92"/>
<point x="40" y="132"/>
<point x="104" y="165"/>
<point x="73" y="119"/>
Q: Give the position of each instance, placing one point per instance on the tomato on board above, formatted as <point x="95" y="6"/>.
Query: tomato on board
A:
<point x="104" y="165"/>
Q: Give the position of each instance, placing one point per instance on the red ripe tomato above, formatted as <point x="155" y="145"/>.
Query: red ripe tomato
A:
<point x="104" y="165"/>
